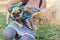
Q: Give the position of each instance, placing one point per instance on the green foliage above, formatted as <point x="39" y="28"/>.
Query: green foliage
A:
<point x="2" y="25"/>
<point x="48" y="32"/>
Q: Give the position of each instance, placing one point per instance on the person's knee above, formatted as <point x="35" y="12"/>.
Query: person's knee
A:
<point x="26" y="37"/>
<point x="9" y="33"/>
<point x="6" y="35"/>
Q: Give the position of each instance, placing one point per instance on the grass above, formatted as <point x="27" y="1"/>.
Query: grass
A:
<point x="48" y="32"/>
<point x="44" y="32"/>
<point x="2" y="25"/>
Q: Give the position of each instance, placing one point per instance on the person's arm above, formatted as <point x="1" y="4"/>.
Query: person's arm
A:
<point x="7" y="17"/>
<point x="29" y="24"/>
<point x="43" y="4"/>
<point x="11" y="2"/>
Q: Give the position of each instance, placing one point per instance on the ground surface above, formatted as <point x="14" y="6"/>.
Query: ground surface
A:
<point x="2" y="25"/>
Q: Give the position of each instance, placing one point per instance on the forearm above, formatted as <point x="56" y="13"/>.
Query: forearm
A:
<point x="7" y="17"/>
<point x="28" y="23"/>
<point x="11" y="2"/>
<point x="43" y="4"/>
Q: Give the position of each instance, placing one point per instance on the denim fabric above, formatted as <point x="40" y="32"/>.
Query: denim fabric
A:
<point x="22" y="30"/>
<point x="10" y="33"/>
<point x="33" y="8"/>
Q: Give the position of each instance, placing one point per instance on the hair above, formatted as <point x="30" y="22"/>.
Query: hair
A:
<point x="24" y="2"/>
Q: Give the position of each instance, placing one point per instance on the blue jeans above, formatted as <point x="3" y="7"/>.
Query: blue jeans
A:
<point x="25" y="33"/>
<point x="12" y="29"/>
<point x="10" y="33"/>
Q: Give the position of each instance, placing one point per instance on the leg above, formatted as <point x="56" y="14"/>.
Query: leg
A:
<point x="9" y="33"/>
<point x="26" y="37"/>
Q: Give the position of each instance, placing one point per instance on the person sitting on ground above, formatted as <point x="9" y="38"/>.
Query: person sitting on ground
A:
<point x="26" y="34"/>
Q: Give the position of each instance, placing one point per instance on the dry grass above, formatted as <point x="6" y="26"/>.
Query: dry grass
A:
<point x="50" y="14"/>
<point x="49" y="2"/>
